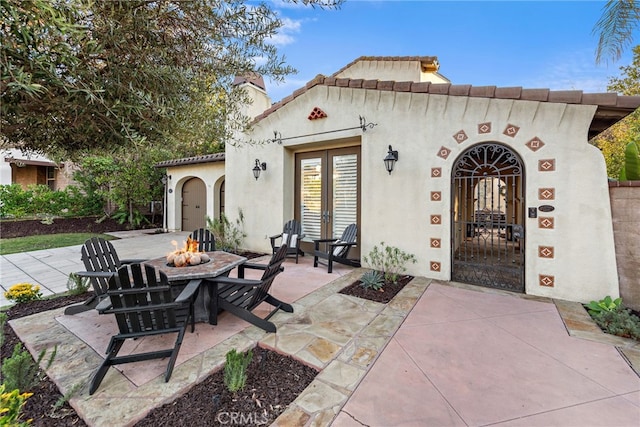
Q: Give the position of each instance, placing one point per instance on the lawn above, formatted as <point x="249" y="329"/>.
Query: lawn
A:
<point x="45" y="241"/>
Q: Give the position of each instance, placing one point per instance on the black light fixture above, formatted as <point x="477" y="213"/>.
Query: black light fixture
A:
<point x="390" y="160"/>
<point x="256" y="169"/>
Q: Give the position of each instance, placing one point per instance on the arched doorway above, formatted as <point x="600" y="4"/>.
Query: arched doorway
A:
<point x="488" y="218"/>
<point x="194" y="204"/>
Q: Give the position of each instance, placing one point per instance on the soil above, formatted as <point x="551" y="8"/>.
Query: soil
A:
<point x="384" y="295"/>
<point x="19" y="228"/>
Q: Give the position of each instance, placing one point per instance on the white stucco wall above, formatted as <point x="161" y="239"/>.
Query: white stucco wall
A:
<point x="212" y="174"/>
<point x="400" y="71"/>
<point x="396" y="208"/>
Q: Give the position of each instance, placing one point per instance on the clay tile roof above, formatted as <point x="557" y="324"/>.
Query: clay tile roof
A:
<point x="432" y="61"/>
<point x="208" y="158"/>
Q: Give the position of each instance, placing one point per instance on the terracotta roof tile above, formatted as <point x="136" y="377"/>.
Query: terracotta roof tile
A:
<point x="208" y="158"/>
<point x="385" y="85"/>
<point x="508" y="92"/>
<point x="459" y="90"/>
<point x="565" y="96"/>
<point x="535" y="95"/>
<point x="402" y="87"/>
<point x="482" y="91"/>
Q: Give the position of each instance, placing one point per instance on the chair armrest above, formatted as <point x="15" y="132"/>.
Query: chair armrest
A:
<point x="96" y="274"/>
<point x="189" y="291"/>
<point x="222" y="280"/>
<point x="132" y="261"/>
<point x="103" y="305"/>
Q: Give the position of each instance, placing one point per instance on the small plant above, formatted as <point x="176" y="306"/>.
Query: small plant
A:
<point x="21" y="372"/>
<point x="229" y="237"/>
<point x="77" y="285"/>
<point x="390" y="260"/>
<point x="23" y="292"/>
<point x="618" y="321"/>
<point x="605" y="304"/>
<point x="372" y="279"/>
<point x="11" y="403"/>
<point x="3" y="320"/>
<point x="235" y="370"/>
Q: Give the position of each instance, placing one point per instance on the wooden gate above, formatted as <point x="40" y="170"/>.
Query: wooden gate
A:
<point x="194" y="203"/>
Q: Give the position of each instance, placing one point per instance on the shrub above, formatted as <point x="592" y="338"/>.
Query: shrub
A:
<point x="21" y="372"/>
<point x="619" y="321"/>
<point x="11" y="404"/>
<point x="605" y="304"/>
<point x="372" y="279"/>
<point x="229" y="237"/>
<point x="23" y="292"/>
<point x="3" y="320"/>
<point x="77" y="285"/>
<point x="235" y="370"/>
<point x="390" y="260"/>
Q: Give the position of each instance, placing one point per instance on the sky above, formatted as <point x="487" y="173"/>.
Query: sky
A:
<point x="532" y="44"/>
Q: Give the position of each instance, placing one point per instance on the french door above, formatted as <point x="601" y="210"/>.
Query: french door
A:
<point x="327" y="196"/>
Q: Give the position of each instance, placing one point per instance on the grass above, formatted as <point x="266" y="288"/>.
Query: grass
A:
<point x="45" y="241"/>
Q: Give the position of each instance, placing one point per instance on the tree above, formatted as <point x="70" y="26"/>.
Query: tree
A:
<point x="615" y="27"/>
<point x="86" y="75"/>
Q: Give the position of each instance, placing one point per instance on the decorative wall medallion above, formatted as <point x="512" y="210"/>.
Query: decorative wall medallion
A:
<point x="436" y="219"/>
<point x="436" y="196"/>
<point x="435" y="243"/>
<point x="545" y="251"/>
<point x="546" y="280"/>
<point x="535" y="144"/>
<point x="484" y="127"/>
<point x="546" y="165"/>
<point x="546" y="193"/>
<point x="511" y="130"/>
<point x="546" y="222"/>
<point x="460" y="136"/>
<point x="435" y="266"/>
<point x="436" y="172"/>
<point x="444" y="152"/>
<point x="317" y="113"/>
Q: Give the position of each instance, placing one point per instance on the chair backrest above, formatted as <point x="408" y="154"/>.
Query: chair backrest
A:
<point x="100" y="255"/>
<point x="205" y="238"/>
<point x="273" y="269"/>
<point x="349" y="235"/>
<point x="142" y="302"/>
<point x="291" y="232"/>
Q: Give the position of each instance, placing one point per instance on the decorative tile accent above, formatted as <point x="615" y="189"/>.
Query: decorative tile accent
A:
<point x="460" y="136"/>
<point x="546" y="280"/>
<point x="444" y="152"/>
<point x="547" y="165"/>
<point x="436" y="219"/>
<point x="484" y="127"/>
<point x="317" y="113"/>
<point x="435" y="266"/>
<point x="436" y="196"/>
<point x="546" y="222"/>
<point x="546" y="251"/>
<point x="436" y="243"/>
<point x="535" y="144"/>
<point x="546" y="193"/>
<point x="436" y="172"/>
<point x="511" y="130"/>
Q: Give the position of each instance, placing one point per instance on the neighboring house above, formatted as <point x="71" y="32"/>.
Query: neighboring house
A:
<point x="492" y="186"/>
<point x="26" y="169"/>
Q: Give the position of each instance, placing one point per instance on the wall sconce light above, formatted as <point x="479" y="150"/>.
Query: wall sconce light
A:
<point x="256" y="169"/>
<point x="390" y="160"/>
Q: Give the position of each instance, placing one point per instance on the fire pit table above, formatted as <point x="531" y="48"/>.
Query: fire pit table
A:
<point x="220" y="263"/>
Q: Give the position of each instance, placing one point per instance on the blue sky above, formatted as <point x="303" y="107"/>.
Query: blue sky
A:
<point x="533" y="44"/>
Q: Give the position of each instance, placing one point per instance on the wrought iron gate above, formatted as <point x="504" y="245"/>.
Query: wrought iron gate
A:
<point x="488" y="218"/>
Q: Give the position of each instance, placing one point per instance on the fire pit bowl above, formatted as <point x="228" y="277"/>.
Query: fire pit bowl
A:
<point x="170" y="264"/>
<point x="187" y="259"/>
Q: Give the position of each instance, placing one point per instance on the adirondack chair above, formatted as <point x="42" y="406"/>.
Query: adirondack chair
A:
<point x="337" y="250"/>
<point x="206" y="240"/>
<point x="101" y="262"/>
<point x="291" y="236"/>
<point x="240" y="296"/>
<point x="145" y="308"/>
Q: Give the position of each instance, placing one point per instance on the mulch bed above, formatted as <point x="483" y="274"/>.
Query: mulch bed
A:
<point x="386" y="294"/>
<point x="20" y="228"/>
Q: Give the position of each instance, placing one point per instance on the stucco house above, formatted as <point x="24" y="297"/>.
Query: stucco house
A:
<point x="494" y="186"/>
<point x="18" y="167"/>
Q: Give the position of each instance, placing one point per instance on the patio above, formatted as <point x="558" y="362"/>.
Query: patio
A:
<point x="438" y="354"/>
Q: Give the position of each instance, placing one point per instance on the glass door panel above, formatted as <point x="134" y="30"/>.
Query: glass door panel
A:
<point x="311" y="198"/>
<point x="344" y="198"/>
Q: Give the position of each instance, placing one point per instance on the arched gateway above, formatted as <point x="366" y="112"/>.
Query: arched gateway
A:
<point x="488" y="235"/>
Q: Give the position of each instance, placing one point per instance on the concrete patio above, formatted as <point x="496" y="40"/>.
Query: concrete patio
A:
<point x="439" y="354"/>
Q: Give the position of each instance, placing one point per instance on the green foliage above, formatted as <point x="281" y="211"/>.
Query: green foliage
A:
<point x="229" y="237"/>
<point x="390" y="260"/>
<point x="615" y="28"/>
<point x="45" y="241"/>
<point x="11" y="404"/>
<point x="618" y="321"/>
<point x="21" y="372"/>
<point x="235" y="370"/>
<point x="40" y="200"/>
<point x="23" y="292"/>
<point x="3" y="321"/>
<point x="605" y="304"/>
<point x="372" y="279"/>
<point x="77" y="285"/>
<point x="631" y="168"/>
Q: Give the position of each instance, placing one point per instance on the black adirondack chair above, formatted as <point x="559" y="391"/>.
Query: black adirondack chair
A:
<point x="144" y="306"/>
<point x="337" y="250"/>
<point x="291" y="236"/>
<point x="206" y="240"/>
<point x="101" y="262"/>
<point x="240" y="296"/>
